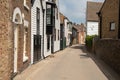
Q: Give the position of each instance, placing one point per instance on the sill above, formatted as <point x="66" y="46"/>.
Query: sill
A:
<point x="25" y="58"/>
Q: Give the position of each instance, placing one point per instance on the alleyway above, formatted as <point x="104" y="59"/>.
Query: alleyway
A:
<point x="71" y="64"/>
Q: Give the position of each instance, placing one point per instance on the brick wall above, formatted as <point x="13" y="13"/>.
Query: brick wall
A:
<point x="7" y="38"/>
<point x="109" y="52"/>
<point x="27" y="13"/>
<point x="6" y="41"/>
<point x="110" y="13"/>
<point x="20" y="4"/>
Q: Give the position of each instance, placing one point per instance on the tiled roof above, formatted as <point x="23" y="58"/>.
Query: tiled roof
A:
<point x="92" y="9"/>
<point x="62" y="17"/>
<point x="79" y="28"/>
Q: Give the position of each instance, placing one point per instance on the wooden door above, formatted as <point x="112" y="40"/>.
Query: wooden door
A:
<point x="37" y="47"/>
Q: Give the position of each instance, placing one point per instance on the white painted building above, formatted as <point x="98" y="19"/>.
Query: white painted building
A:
<point x="92" y="17"/>
<point x="66" y="21"/>
<point x="36" y="31"/>
<point x="92" y="28"/>
<point x="52" y="36"/>
<point x="68" y="31"/>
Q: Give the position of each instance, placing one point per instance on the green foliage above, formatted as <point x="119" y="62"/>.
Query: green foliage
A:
<point x="89" y="40"/>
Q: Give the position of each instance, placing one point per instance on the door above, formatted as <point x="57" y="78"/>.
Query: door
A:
<point x="61" y="37"/>
<point x="15" y="48"/>
<point x="37" y="48"/>
<point x="52" y="44"/>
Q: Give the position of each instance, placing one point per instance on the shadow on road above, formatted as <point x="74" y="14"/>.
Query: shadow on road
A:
<point x="84" y="56"/>
<point x="82" y="47"/>
<point x="108" y="72"/>
<point x="84" y="51"/>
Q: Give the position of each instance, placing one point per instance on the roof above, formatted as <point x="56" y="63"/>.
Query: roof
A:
<point x="79" y="28"/>
<point x="92" y="9"/>
<point x="62" y="18"/>
<point x="103" y="5"/>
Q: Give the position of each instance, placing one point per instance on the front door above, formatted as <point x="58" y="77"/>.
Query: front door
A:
<point x="37" y="48"/>
<point x="52" y="44"/>
<point x="15" y="48"/>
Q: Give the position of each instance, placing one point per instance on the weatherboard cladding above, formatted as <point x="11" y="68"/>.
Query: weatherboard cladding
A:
<point x="37" y="4"/>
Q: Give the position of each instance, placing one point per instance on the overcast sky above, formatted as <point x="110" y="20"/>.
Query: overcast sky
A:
<point x="75" y="10"/>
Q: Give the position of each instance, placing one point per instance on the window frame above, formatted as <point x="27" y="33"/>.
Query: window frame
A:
<point x="112" y="24"/>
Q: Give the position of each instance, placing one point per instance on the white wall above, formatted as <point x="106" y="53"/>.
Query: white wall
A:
<point x="57" y="26"/>
<point x="36" y="4"/>
<point x="67" y="31"/>
<point x="46" y="52"/>
<point x="92" y="28"/>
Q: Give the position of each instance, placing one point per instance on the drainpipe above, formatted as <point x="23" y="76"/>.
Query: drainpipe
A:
<point x="100" y="24"/>
<point x="43" y="34"/>
<point x="119" y="21"/>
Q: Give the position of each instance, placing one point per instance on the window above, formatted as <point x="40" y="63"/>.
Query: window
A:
<point x="57" y="13"/>
<point x="50" y="18"/>
<point x="55" y="35"/>
<point x="38" y="20"/>
<point x="25" y="57"/>
<point x="48" y="14"/>
<point x="112" y="26"/>
<point x="48" y="43"/>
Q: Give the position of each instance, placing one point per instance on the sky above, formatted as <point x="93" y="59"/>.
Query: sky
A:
<point x="75" y="10"/>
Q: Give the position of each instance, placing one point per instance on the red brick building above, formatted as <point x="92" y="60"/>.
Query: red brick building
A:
<point x="78" y="34"/>
<point x="14" y="37"/>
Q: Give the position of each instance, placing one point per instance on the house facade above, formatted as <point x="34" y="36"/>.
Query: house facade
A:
<point x="109" y="33"/>
<point x="62" y="32"/>
<point x="81" y="34"/>
<point x="66" y="21"/>
<point x="66" y="31"/>
<point x="15" y="37"/>
<point x="37" y="26"/>
<point x="109" y="20"/>
<point x="70" y="24"/>
<point x="74" y="35"/>
<point x="78" y="34"/>
<point x="22" y="29"/>
<point x="92" y="18"/>
<point x="51" y="27"/>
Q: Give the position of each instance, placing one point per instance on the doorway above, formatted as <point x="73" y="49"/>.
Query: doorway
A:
<point x="37" y="48"/>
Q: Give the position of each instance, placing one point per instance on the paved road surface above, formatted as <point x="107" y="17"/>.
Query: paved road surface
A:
<point x="71" y="64"/>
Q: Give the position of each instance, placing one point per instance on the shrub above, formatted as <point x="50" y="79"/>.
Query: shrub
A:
<point x="89" y="40"/>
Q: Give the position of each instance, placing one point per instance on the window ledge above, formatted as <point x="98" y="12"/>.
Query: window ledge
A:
<point x="25" y="58"/>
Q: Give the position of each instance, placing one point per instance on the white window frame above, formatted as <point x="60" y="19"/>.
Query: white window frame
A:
<point x="112" y="26"/>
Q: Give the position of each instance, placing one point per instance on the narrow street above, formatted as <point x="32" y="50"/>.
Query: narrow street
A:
<point x="72" y="63"/>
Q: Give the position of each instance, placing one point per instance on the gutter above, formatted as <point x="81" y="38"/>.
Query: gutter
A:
<point x="100" y="24"/>
<point x="43" y="34"/>
<point x="119" y="21"/>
